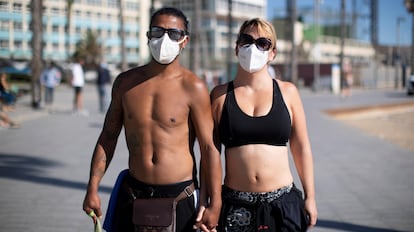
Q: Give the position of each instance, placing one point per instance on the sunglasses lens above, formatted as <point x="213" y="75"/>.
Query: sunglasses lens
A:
<point x="245" y="39"/>
<point x="175" y="34"/>
<point x="156" y="32"/>
<point x="263" y="44"/>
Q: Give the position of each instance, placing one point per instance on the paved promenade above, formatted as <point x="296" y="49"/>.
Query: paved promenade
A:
<point x="364" y="184"/>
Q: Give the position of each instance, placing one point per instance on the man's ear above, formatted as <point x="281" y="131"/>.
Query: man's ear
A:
<point x="186" y="40"/>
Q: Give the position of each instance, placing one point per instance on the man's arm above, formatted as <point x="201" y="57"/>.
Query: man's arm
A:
<point x="210" y="168"/>
<point x="103" y="152"/>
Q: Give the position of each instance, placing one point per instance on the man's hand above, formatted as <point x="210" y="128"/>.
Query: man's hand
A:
<point x="92" y="205"/>
<point x="207" y="219"/>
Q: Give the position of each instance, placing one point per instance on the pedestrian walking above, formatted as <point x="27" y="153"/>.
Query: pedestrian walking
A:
<point x="256" y="116"/>
<point x="103" y="83"/>
<point x="78" y="81"/>
<point x="50" y="79"/>
<point x="162" y="107"/>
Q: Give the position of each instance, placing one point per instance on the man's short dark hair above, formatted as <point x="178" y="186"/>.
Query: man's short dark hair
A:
<point x="170" y="11"/>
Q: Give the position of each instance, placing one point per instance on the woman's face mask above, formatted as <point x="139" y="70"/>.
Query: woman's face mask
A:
<point x="164" y="50"/>
<point x="252" y="59"/>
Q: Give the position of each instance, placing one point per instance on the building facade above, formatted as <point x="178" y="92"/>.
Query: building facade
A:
<point x="99" y="16"/>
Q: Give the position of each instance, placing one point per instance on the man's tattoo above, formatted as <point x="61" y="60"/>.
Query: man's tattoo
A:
<point x="98" y="173"/>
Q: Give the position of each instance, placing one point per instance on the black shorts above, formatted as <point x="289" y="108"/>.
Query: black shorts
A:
<point x="122" y="216"/>
<point x="279" y="210"/>
<point x="78" y="89"/>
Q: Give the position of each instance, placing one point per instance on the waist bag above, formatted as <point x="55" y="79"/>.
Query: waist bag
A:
<point x="157" y="214"/>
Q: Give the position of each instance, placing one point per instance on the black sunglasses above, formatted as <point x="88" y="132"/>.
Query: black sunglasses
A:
<point x="263" y="44"/>
<point x="173" y="33"/>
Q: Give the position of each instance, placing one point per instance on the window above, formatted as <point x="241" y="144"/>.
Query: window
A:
<point x="18" y="44"/>
<point x="112" y="3"/>
<point x="55" y="28"/>
<point x="18" y="26"/>
<point x="17" y="7"/>
<point x="4" y="25"/>
<point x="4" y="44"/>
<point x="4" y="5"/>
<point x="54" y="11"/>
<point x="94" y="2"/>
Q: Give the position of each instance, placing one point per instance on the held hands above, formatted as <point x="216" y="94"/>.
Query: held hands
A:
<point x="207" y="219"/>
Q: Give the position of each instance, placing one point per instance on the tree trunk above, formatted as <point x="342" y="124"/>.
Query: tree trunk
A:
<point x="124" y="64"/>
<point x="195" y="39"/>
<point x="37" y="48"/>
<point x="67" y="28"/>
<point x="229" y="39"/>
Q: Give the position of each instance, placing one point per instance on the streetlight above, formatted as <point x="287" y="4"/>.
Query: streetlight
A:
<point x="398" y="55"/>
<point x="316" y="65"/>
<point x="409" y="5"/>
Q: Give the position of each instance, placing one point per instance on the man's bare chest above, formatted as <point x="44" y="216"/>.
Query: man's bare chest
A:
<point x="163" y="106"/>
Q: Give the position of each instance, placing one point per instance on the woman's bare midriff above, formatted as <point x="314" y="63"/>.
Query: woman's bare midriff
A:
<point x="257" y="168"/>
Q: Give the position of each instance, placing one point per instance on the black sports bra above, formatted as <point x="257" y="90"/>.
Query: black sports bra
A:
<point x="236" y="128"/>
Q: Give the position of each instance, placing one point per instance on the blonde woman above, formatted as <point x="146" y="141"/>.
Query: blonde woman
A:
<point x="256" y="117"/>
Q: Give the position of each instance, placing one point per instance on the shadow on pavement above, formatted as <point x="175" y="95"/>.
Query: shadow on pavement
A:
<point x="345" y="226"/>
<point x="398" y="94"/>
<point x="27" y="168"/>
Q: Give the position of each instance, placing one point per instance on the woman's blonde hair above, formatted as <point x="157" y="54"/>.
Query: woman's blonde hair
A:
<point x="263" y="28"/>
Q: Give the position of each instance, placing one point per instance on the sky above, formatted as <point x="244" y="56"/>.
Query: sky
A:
<point x="388" y="13"/>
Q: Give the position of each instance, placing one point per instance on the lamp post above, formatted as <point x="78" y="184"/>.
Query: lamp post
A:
<point x="398" y="53"/>
<point x="409" y="4"/>
<point x="316" y="62"/>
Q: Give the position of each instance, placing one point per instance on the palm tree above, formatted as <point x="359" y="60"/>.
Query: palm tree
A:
<point x="89" y="49"/>
<point x="68" y="25"/>
<point x="124" y="64"/>
<point x="36" y="27"/>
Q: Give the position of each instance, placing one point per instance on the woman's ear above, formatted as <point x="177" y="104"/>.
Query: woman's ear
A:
<point x="272" y="54"/>
<point x="236" y="50"/>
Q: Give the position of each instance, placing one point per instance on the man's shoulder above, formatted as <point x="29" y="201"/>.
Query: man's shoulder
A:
<point x="191" y="80"/>
<point x="132" y="72"/>
<point x="219" y="91"/>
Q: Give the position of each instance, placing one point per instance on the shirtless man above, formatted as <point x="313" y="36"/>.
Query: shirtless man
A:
<point x="162" y="107"/>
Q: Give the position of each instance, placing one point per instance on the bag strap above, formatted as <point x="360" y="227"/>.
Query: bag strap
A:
<point x="187" y="192"/>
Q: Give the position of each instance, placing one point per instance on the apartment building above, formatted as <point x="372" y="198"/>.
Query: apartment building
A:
<point x="212" y="28"/>
<point x="210" y="45"/>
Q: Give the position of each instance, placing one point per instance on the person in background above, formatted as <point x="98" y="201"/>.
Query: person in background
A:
<point x="348" y="78"/>
<point x="256" y="117"/>
<point x="103" y="83"/>
<point x="163" y="108"/>
<point x="5" y="120"/>
<point x="7" y="95"/>
<point x="50" y="79"/>
<point x="78" y="82"/>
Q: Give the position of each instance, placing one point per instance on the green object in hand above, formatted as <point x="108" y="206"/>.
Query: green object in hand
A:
<point x="98" y="226"/>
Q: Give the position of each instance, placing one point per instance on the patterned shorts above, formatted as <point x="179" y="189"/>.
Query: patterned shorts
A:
<point x="250" y="211"/>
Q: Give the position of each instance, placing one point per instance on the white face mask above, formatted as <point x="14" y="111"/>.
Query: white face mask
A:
<point x="164" y="50"/>
<point x="252" y="59"/>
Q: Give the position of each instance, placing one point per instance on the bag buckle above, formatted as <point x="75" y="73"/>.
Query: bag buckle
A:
<point x="188" y="191"/>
